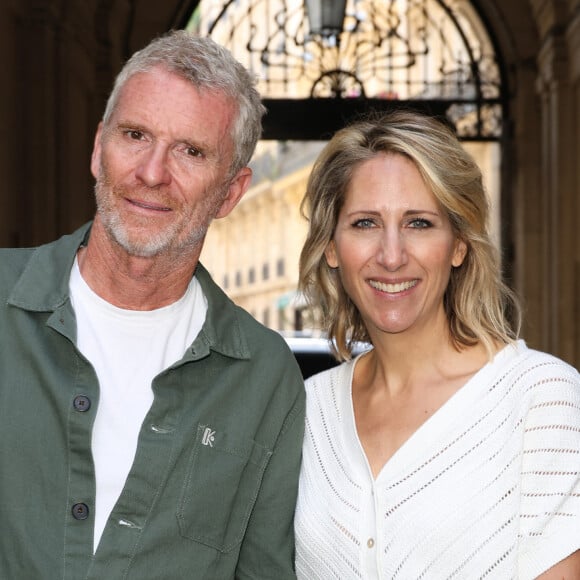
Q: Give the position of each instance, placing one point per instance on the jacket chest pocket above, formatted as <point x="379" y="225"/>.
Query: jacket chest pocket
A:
<point x="220" y="488"/>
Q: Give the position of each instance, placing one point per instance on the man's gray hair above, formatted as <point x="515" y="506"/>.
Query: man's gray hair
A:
<point x="207" y="66"/>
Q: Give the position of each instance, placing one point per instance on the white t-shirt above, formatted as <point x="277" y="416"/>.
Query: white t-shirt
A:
<point x="487" y="487"/>
<point x="127" y="349"/>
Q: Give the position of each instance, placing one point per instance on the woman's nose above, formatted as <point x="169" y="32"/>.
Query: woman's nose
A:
<point x="392" y="252"/>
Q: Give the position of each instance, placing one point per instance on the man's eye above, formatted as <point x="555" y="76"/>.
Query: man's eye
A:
<point x="193" y="152"/>
<point x="134" y="134"/>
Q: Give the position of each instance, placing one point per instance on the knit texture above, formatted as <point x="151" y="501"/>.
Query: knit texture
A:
<point x="487" y="487"/>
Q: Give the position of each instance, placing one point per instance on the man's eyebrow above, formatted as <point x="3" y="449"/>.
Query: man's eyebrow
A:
<point x="127" y="124"/>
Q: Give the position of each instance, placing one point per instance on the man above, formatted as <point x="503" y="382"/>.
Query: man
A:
<point x="150" y="428"/>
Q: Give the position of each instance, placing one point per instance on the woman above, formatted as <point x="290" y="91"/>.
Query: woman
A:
<point x="450" y="449"/>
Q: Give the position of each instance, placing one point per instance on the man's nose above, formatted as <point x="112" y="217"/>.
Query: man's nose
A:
<point x="152" y="168"/>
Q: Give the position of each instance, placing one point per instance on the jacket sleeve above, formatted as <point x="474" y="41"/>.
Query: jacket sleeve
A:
<point x="267" y="550"/>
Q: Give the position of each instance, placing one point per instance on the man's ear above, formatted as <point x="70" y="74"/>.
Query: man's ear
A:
<point x="236" y="189"/>
<point x="96" y="154"/>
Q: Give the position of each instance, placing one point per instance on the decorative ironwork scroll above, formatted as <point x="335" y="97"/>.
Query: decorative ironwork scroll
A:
<point x="395" y="50"/>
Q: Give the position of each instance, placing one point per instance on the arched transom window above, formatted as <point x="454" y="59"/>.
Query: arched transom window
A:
<point x="435" y="55"/>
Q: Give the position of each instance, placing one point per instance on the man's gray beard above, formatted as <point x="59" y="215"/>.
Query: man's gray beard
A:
<point x="156" y="244"/>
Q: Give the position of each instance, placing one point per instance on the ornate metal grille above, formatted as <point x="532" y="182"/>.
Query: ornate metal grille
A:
<point x="409" y="52"/>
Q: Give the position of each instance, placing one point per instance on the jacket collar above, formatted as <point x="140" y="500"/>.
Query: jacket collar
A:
<point x="44" y="283"/>
<point x="44" y="287"/>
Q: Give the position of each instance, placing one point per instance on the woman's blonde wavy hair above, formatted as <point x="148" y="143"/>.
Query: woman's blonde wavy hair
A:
<point x="479" y="305"/>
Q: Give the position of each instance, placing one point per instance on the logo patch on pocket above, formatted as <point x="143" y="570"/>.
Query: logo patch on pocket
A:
<point x="208" y="437"/>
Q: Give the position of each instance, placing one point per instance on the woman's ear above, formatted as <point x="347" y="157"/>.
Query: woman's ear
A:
<point x="330" y="254"/>
<point x="459" y="253"/>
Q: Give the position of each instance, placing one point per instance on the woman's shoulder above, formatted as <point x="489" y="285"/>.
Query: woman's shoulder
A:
<point x="329" y="377"/>
<point x="537" y="372"/>
<point x="538" y="360"/>
<point x="328" y="392"/>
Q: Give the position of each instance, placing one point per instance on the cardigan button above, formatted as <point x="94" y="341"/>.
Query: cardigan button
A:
<point x="370" y="543"/>
<point x="81" y="403"/>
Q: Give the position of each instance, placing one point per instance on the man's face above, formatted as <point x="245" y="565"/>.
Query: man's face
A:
<point x="161" y="165"/>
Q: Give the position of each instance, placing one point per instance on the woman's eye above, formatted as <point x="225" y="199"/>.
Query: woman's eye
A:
<point x="420" y="223"/>
<point x="364" y="223"/>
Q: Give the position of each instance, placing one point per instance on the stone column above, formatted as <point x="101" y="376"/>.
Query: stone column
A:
<point x="559" y="205"/>
<point x="53" y="85"/>
<point x="521" y="204"/>
<point x="573" y="40"/>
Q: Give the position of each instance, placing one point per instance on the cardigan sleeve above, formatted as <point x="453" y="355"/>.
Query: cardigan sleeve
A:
<point x="550" y="476"/>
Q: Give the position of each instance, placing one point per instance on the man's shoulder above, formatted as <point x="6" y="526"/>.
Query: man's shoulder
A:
<point x="229" y="320"/>
<point x="13" y="261"/>
<point x="38" y="268"/>
<point x="15" y="258"/>
<point x="264" y="339"/>
<point x="12" y="256"/>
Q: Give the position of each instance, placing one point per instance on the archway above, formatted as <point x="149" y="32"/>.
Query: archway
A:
<point x="435" y="55"/>
<point x="432" y="55"/>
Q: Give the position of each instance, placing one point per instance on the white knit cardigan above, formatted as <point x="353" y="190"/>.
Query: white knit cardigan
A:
<point x="487" y="487"/>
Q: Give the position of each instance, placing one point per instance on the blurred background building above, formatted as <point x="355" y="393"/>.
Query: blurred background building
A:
<point x="506" y="75"/>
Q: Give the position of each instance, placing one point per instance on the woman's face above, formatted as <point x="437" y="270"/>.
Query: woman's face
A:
<point x="394" y="247"/>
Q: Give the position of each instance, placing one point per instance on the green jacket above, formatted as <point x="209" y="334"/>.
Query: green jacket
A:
<point x="212" y="489"/>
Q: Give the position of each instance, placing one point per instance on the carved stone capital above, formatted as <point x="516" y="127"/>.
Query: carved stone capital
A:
<point x="553" y="60"/>
<point x="573" y="39"/>
<point x="550" y="15"/>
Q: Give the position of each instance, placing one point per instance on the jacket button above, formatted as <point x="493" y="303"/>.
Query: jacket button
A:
<point x="80" y="511"/>
<point x="81" y="403"/>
